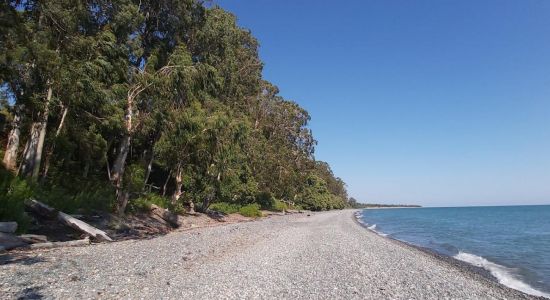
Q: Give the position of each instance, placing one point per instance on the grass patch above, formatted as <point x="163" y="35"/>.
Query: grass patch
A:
<point x="143" y="203"/>
<point x="251" y="210"/>
<point x="226" y="208"/>
<point x="279" y="206"/>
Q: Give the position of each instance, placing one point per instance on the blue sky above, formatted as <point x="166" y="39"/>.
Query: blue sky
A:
<point x="440" y="103"/>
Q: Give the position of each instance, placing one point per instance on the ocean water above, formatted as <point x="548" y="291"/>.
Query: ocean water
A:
<point x="511" y="242"/>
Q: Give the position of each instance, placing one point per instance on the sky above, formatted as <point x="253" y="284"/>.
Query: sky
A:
<point x="437" y="103"/>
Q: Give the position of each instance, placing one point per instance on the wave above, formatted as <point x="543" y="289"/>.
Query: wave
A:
<point x="371" y="227"/>
<point x="503" y="274"/>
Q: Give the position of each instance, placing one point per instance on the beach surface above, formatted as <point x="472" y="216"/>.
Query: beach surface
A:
<point x="322" y="256"/>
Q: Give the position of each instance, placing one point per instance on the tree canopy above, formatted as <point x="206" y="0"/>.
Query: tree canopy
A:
<point x="105" y="102"/>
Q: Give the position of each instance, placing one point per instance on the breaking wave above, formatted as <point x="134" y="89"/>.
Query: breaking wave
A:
<point x="503" y="274"/>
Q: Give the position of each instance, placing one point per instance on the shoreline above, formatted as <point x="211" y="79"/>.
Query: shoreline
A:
<point x="479" y="273"/>
<point x="322" y="255"/>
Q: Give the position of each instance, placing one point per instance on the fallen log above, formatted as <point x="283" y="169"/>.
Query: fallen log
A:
<point x="41" y="208"/>
<point x="33" y="238"/>
<point x="168" y="216"/>
<point x="8" y="227"/>
<point x="83" y="226"/>
<point x="10" y="241"/>
<point x="47" y="211"/>
<point x="49" y="245"/>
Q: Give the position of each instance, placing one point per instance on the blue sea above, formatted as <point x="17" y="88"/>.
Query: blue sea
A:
<point x="511" y="242"/>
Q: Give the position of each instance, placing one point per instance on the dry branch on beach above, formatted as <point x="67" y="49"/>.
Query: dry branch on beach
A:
<point x="49" y="212"/>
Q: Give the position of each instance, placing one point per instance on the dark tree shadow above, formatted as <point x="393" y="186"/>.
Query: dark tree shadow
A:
<point x="216" y="215"/>
<point x="20" y="258"/>
<point x="30" y="293"/>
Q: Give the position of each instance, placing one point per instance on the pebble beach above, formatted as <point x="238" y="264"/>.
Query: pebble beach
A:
<point x="321" y="256"/>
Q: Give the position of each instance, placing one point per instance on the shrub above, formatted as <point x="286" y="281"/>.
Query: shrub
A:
<point x="266" y="200"/>
<point x="226" y="208"/>
<point x="251" y="210"/>
<point x="13" y="192"/>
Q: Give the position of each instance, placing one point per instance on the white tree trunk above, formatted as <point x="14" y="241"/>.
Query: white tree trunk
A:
<point x="120" y="162"/>
<point x="33" y="155"/>
<point x="42" y="135"/>
<point x="149" y="167"/>
<point x="27" y="165"/>
<point x="179" y="184"/>
<point x="10" y="156"/>
<point x="50" y="151"/>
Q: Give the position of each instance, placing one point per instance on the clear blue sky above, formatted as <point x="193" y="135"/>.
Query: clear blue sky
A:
<point x="431" y="102"/>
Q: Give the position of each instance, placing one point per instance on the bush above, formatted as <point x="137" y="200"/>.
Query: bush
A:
<point x="13" y="193"/>
<point x="266" y="200"/>
<point x="251" y="210"/>
<point x="226" y="208"/>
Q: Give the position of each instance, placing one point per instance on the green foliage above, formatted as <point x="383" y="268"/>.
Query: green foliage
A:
<point x="226" y="208"/>
<point x="169" y="98"/>
<point x="13" y="193"/>
<point x="77" y="196"/>
<point x="134" y="178"/>
<point x="316" y="196"/>
<point x="144" y="202"/>
<point x="251" y="210"/>
<point x="266" y="200"/>
<point x="279" y="206"/>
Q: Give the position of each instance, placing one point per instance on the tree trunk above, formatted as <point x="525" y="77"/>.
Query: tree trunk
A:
<point x="30" y="150"/>
<point x="122" y="201"/>
<point x="10" y="156"/>
<point x="149" y="167"/>
<point x="120" y="162"/>
<point x="166" y="183"/>
<point x="86" y="169"/>
<point x="49" y="153"/>
<point x="179" y="184"/>
<point x="33" y="157"/>
<point x="42" y="135"/>
<point x="191" y="205"/>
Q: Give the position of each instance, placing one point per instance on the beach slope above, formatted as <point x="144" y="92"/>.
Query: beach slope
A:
<point x="322" y="256"/>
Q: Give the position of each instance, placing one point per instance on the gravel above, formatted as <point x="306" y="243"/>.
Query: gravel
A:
<point x="325" y="255"/>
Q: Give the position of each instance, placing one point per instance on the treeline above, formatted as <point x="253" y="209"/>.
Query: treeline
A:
<point x="110" y="103"/>
<point x="352" y="202"/>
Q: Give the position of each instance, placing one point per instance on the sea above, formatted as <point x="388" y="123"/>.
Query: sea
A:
<point x="511" y="242"/>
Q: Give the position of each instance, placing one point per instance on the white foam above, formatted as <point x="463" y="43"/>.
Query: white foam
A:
<point x="373" y="229"/>
<point x="503" y="274"/>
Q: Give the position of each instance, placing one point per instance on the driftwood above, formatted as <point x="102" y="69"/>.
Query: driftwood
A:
<point x="84" y="227"/>
<point x="83" y="242"/>
<point x="166" y="215"/>
<point x="41" y="208"/>
<point x="33" y="238"/>
<point x="8" y="227"/>
<point x="47" y="211"/>
<point x="10" y="241"/>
